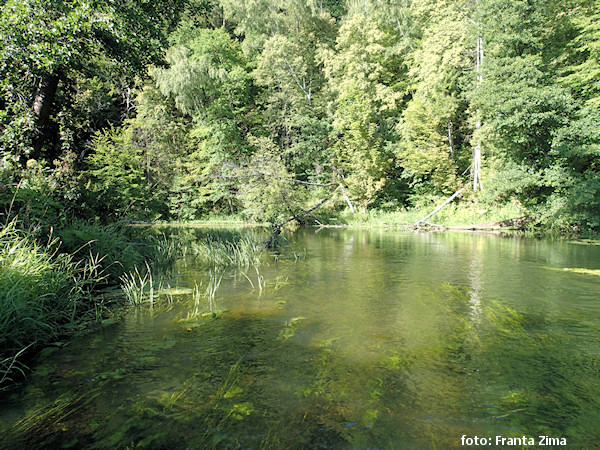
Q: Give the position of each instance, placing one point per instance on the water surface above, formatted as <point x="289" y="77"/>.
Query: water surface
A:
<point x="369" y="339"/>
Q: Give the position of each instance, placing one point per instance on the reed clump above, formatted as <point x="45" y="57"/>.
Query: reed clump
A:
<point x="138" y="286"/>
<point x="229" y="250"/>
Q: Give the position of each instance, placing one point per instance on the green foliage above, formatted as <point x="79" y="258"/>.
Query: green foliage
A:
<point x="518" y="97"/>
<point x="522" y="106"/>
<point x="360" y="77"/>
<point x="433" y="122"/>
<point x="204" y="70"/>
<point x="39" y="196"/>
<point x="424" y="151"/>
<point x="575" y="176"/>
<point x="292" y="98"/>
<point x="185" y="198"/>
<point x="267" y="192"/>
<point x="117" y="248"/>
<point x="583" y="75"/>
<point x="388" y="97"/>
<point x="51" y="49"/>
<point x="119" y="174"/>
<point x="532" y="122"/>
<point x="508" y="181"/>
<point x="257" y="20"/>
<point x="208" y="80"/>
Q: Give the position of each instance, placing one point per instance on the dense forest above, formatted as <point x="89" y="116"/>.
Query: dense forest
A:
<point x="182" y="109"/>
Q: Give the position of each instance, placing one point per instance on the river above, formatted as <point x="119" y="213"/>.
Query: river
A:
<point x="359" y="339"/>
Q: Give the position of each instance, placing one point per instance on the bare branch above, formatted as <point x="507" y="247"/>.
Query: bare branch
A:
<point x="302" y="86"/>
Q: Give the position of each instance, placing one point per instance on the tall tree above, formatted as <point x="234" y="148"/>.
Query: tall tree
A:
<point x="362" y="80"/>
<point x="523" y="109"/>
<point x="209" y="81"/>
<point x="518" y="96"/>
<point x="583" y="72"/>
<point x="258" y="20"/>
<point x="292" y="100"/>
<point x="433" y="124"/>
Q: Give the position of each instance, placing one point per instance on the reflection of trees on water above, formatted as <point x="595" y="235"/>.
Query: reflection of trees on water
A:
<point x="475" y="278"/>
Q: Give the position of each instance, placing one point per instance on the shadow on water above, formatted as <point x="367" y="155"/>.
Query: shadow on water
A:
<point x="374" y="341"/>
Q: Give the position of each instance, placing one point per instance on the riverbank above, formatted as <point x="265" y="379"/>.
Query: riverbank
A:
<point x="53" y="282"/>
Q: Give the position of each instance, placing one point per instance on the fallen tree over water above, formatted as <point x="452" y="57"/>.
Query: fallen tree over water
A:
<point x="278" y="227"/>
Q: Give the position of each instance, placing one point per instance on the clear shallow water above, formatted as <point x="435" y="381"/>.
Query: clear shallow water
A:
<point x="377" y="339"/>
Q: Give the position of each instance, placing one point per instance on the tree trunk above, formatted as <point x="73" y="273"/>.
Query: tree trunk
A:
<point x="42" y="105"/>
<point x="448" y="200"/>
<point x="347" y="199"/>
<point x="476" y="166"/>
<point x="450" y="140"/>
<point x="297" y="217"/>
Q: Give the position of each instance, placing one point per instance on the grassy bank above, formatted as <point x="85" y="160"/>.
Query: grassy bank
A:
<point x="40" y="292"/>
<point x="453" y="214"/>
<point x="51" y="283"/>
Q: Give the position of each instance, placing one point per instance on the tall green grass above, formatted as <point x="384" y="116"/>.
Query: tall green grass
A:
<point x="228" y="249"/>
<point x="48" y="283"/>
<point x="120" y="247"/>
<point x="39" y="292"/>
<point x="215" y="249"/>
<point x="137" y="287"/>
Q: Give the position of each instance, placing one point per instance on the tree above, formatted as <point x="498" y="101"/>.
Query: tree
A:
<point x="209" y="81"/>
<point x="583" y="74"/>
<point x="137" y="169"/>
<point x="575" y="174"/>
<point x="518" y="97"/>
<point x="361" y="79"/>
<point x="291" y="101"/>
<point x="527" y="117"/>
<point x="267" y="191"/>
<point x="258" y="20"/>
<point x="48" y="44"/>
<point x="434" y="121"/>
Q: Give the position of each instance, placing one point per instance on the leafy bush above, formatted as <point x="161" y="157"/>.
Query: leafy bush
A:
<point x="41" y="196"/>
